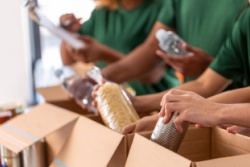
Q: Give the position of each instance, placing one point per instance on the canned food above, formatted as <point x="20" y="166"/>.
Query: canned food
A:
<point x="9" y="158"/>
<point x="34" y="156"/>
<point x="167" y="135"/>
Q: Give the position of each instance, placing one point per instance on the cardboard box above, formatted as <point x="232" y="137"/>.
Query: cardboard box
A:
<point x="92" y="144"/>
<point x="58" y="96"/>
<point x="27" y="129"/>
<point x="202" y="147"/>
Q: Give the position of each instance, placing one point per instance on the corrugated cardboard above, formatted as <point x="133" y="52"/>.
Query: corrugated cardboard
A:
<point x="91" y="144"/>
<point x="24" y="130"/>
<point x="200" y="148"/>
<point x="58" y="96"/>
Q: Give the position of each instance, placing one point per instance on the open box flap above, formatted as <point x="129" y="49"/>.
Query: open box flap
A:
<point x="239" y="161"/>
<point x="26" y="129"/>
<point x="146" y="153"/>
<point x="53" y="93"/>
<point x="90" y="144"/>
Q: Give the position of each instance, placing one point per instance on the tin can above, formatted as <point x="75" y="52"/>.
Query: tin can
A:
<point x="167" y="135"/>
<point x="9" y="158"/>
<point x="34" y="156"/>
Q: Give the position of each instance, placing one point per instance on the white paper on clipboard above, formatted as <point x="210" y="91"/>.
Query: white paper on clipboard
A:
<point x="37" y="16"/>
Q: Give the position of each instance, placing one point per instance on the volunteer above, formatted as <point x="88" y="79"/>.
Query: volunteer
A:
<point x="196" y="109"/>
<point x="203" y="24"/>
<point x="120" y="25"/>
<point x="197" y="23"/>
<point x="231" y="64"/>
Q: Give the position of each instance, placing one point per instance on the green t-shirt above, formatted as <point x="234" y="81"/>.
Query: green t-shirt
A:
<point x="202" y="23"/>
<point x="233" y="60"/>
<point x="123" y="30"/>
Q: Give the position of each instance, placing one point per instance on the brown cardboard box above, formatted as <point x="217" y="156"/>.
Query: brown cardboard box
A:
<point x="58" y="96"/>
<point x="203" y="147"/>
<point x="92" y="144"/>
<point x="26" y="129"/>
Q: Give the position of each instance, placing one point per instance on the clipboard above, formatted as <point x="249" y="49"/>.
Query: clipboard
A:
<point x="37" y="16"/>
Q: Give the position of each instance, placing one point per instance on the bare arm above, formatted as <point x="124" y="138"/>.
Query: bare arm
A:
<point x="66" y="55"/>
<point x="235" y="114"/>
<point x="208" y="84"/>
<point x="196" y="109"/>
<point x="241" y="95"/>
<point x="138" y="62"/>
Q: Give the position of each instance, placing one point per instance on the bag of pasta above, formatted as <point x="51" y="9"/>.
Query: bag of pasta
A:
<point x="114" y="106"/>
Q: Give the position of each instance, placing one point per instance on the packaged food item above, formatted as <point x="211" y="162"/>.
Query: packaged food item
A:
<point x="167" y="135"/>
<point x="114" y="106"/>
<point x="84" y="86"/>
<point x="8" y="158"/>
<point x="170" y="42"/>
<point x="34" y="156"/>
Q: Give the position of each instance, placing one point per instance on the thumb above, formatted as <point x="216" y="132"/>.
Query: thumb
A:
<point x="129" y="128"/>
<point x="188" y="48"/>
<point x="79" y="20"/>
<point x="86" y="39"/>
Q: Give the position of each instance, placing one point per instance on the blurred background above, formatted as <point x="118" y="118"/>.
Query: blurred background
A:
<point x="30" y="53"/>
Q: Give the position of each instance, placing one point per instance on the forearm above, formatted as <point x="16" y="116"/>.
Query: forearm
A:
<point x="234" y="96"/>
<point x="204" y="86"/>
<point x="151" y="102"/>
<point x="235" y="114"/>
<point x="65" y="55"/>
<point x="132" y="66"/>
<point x="138" y="62"/>
<point x="110" y="55"/>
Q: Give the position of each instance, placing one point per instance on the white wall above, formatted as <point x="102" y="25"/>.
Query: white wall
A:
<point x="14" y="53"/>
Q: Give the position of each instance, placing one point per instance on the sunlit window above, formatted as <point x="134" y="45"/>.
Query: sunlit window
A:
<point x="50" y="44"/>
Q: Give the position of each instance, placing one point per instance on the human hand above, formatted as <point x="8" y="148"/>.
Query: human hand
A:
<point x="80" y="90"/>
<point x="190" y="107"/>
<point x="240" y="130"/>
<point x="70" y="22"/>
<point x="91" y="52"/>
<point x="144" y="124"/>
<point x="192" y="64"/>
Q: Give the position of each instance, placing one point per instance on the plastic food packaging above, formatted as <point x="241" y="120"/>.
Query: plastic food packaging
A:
<point x="8" y="158"/>
<point x="114" y="105"/>
<point x="68" y="77"/>
<point x="170" y="42"/>
<point x="34" y="156"/>
<point x="167" y="135"/>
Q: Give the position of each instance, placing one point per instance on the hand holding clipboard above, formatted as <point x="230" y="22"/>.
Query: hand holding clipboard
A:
<point x="37" y="16"/>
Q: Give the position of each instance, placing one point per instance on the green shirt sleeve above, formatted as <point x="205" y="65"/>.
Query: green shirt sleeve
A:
<point x="232" y="57"/>
<point x="167" y="13"/>
<point x="87" y="26"/>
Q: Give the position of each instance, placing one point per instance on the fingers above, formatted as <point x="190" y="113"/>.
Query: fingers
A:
<point x="129" y="128"/>
<point x="178" y="122"/>
<point x="165" y="57"/>
<point x="198" y="126"/>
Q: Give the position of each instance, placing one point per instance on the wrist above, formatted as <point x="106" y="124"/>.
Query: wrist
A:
<point x="221" y="114"/>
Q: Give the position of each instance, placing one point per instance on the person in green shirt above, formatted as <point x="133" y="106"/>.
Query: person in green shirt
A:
<point x="231" y="64"/>
<point x="121" y="27"/>
<point x="202" y="24"/>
